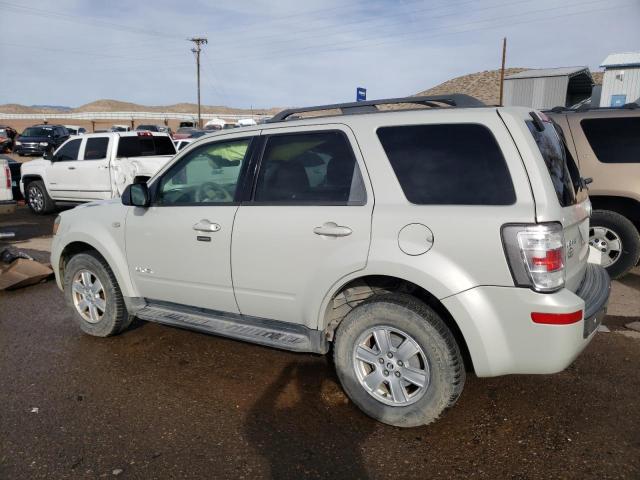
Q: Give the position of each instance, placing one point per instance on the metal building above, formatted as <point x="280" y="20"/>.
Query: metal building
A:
<point x="621" y="82"/>
<point x="548" y="87"/>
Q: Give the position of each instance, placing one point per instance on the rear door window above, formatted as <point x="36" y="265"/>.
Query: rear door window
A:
<point x="614" y="140"/>
<point x="96" y="148"/>
<point x="145" y="145"/>
<point x="316" y="168"/>
<point x="448" y="164"/>
<point x="559" y="161"/>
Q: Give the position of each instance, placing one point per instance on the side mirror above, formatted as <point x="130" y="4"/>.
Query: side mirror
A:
<point x="136" y="195"/>
<point x="48" y="156"/>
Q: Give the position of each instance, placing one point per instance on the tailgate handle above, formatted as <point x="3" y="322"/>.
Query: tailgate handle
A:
<point x="71" y="168"/>
<point x="332" y="229"/>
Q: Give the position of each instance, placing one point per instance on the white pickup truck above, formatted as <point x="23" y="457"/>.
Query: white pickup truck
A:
<point x="94" y="166"/>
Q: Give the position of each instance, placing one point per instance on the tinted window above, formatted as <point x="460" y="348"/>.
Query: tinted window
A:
<point x="142" y="146"/>
<point x="316" y="168"/>
<point x="614" y="140"/>
<point x="208" y="174"/>
<point x="96" y="148"/>
<point x="38" y="132"/>
<point x="457" y="164"/>
<point x="69" y="151"/>
<point x="558" y="160"/>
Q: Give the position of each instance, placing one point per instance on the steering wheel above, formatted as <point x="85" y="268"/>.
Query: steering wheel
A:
<point x="212" y="192"/>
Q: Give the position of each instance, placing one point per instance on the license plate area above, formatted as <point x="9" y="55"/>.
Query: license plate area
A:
<point x="591" y="324"/>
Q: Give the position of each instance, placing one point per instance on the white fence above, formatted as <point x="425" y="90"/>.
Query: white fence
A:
<point x="125" y="116"/>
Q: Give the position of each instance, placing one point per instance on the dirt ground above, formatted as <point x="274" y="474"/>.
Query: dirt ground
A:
<point x="160" y="402"/>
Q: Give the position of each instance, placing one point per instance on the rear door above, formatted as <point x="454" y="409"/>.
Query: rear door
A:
<point x="307" y="225"/>
<point x="92" y="169"/>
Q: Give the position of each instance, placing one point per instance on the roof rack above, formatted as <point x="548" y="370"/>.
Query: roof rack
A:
<point x="370" y="106"/>
<point x="587" y="108"/>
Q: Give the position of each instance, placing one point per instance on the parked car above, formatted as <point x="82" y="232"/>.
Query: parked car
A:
<point x="183" y="132"/>
<point x="75" y="130"/>
<point x="477" y="248"/>
<point x="120" y="128"/>
<point x="14" y="168"/>
<point x="7" y="137"/>
<point x="246" y="122"/>
<point x="7" y="203"/>
<point x="199" y="133"/>
<point x="39" y="139"/>
<point x="180" y="144"/>
<point x="93" y="167"/>
<point x="606" y="144"/>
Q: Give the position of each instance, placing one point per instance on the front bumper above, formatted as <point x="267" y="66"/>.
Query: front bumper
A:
<point x="29" y="149"/>
<point x="502" y="339"/>
<point x="7" y="206"/>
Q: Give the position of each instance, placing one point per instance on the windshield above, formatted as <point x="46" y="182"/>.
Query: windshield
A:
<point x="557" y="157"/>
<point x="38" y="132"/>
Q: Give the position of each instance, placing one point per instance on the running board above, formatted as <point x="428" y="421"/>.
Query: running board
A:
<point x="271" y="333"/>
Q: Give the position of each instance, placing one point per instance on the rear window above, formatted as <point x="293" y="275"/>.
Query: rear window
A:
<point x="560" y="164"/>
<point x="614" y="140"/>
<point x="455" y="164"/>
<point x="144" y="146"/>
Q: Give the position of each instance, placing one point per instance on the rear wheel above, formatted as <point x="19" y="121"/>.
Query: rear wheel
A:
<point x="398" y="361"/>
<point x="38" y="199"/>
<point x="617" y="240"/>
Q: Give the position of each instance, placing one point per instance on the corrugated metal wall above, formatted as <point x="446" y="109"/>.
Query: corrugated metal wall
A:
<point x="541" y="93"/>
<point x="629" y="85"/>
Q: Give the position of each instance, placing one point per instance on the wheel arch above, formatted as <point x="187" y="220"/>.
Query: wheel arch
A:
<point x="625" y="206"/>
<point x="354" y="291"/>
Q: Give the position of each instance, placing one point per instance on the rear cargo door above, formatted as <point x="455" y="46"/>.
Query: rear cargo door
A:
<point x="573" y="200"/>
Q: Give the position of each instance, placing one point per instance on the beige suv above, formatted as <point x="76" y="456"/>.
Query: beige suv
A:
<point x="606" y="144"/>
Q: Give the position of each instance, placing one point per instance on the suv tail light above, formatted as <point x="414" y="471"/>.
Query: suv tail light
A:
<point x="7" y="174"/>
<point x="145" y="133"/>
<point x="535" y="254"/>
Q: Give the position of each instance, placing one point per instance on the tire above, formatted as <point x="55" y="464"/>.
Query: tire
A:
<point x="92" y="267"/>
<point x="607" y="227"/>
<point x="438" y="359"/>
<point x="38" y="199"/>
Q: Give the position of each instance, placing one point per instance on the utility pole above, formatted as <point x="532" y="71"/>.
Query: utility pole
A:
<point x="504" y="57"/>
<point x="199" y="41"/>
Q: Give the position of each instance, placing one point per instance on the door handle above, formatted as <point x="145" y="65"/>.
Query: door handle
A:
<point x="71" y="168"/>
<point x="332" y="229"/>
<point x="205" y="225"/>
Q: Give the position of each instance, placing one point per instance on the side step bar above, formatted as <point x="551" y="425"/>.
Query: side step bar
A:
<point x="271" y="333"/>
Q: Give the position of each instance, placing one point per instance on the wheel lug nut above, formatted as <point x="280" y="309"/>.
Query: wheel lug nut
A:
<point x="397" y="374"/>
<point x="381" y="360"/>
<point x="390" y="355"/>
<point x="400" y="363"/>
<point x="386" y="373"/>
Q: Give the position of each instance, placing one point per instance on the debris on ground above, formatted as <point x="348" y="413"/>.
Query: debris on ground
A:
<point x="603" y="329"/>
<point x="19" y="269"/>
<point x="634" y="326"/>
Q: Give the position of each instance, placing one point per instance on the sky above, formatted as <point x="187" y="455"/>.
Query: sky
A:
<point x="267" y="53"/>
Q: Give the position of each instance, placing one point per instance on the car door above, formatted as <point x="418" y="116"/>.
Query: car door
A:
<point x="92" y="169"/>
<point x="62" y="176"/>
<point x="178" y="249"/>
<point x="307" y="226"/>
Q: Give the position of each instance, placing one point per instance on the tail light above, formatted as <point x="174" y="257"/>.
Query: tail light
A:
<point x="145" y="133"/>
<point x="7" y="174"/>
<point x="536" y="255"/>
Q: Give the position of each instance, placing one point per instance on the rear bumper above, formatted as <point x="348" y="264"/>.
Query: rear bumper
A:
<point x="7" y="206"/>
<point x="502" y="338"/>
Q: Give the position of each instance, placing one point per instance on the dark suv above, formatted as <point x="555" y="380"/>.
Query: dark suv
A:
<point x="40" y="139"/>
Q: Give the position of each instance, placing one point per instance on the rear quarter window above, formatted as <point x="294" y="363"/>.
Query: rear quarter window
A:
<point x="614" y="140"/>
<point x="143" y="146"/>
<point x="448" y="164"/>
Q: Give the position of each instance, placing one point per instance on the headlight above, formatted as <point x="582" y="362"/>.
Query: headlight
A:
<point x="56" y="224"/>
<point x="44" y="144"/>
<point x="18" y="143"/>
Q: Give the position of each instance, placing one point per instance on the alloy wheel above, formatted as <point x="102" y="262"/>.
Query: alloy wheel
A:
<point x="391" y="366"/>
<point x="36" y="198"/>
<point x="89" y="296"/>
<point x="608" y="243"/>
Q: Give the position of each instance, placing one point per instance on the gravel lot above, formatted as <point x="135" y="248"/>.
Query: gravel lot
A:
<point x="160" y="402"/>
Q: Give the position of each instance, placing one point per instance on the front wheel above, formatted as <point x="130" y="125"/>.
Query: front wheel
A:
<point x="398" y="361"/>
<point x="617" y="240"/>
<point x="38" y="199"/>
<point x="93" y="293"/>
